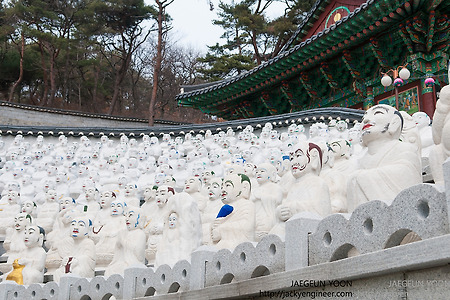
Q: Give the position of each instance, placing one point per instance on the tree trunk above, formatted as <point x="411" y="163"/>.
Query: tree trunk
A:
<point x="22" y="52"/>
<point x="158" y="62"/>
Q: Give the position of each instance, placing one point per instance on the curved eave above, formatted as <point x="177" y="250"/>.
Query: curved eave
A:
<point x="367" y="20"/>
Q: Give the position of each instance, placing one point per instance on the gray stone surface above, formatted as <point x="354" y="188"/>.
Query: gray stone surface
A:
<point x="373" y="226"/>
<point x="298" y="229"/>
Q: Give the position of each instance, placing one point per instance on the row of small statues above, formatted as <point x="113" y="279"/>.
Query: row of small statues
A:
<point x="238" y="189"/>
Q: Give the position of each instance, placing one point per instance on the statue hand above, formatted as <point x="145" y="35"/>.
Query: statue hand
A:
<point x="64" y="261"/>
<point x="215" y="235"/>
<point x="23" y="261"/>
<point x="285" y="213"/>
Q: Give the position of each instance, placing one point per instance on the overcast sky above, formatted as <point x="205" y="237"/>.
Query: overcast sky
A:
<point x="192" y="22"/>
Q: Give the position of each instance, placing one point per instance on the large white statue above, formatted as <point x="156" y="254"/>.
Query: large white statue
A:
<point x="232" y="228"/>
<point x="389" y="165"/>
<point x="29" y="267"/>
<point x="308" y="192"/>
<point x="155" y="226"/>
<point x="59" y="241"/>
<point x="106" y="232"/>
<point x="81" y="259"/>
<point x="130" y="246"/>
<point x="9" y="209"/>
<point x="423" y="122"/>
<point x="14" y="243"/>
<point x="212" y="208"/>
<point x="441" y="135"/>
<point x="267" y="197"/>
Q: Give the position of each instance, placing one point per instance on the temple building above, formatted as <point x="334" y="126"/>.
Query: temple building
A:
<point x="337" y="58"/>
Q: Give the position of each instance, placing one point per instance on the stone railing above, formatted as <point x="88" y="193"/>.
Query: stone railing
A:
<point x="313" y="247"/>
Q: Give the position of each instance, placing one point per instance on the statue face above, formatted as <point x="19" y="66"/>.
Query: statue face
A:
<point x="66" y="203"/>
<point x="91" y="194"/>
<point x="31" y="236"/>
<point x="162" y="195"/>
<point x="132" y="219"/>
<point x="26" y="179"/>
<point x="27" y="160"/>
<point x="206" y="176"/>
<point x="299" y="161"/>
<point x="192" y="185"/>
<point x="79" y="228"/>
<point x="130" y="190"/>
<point x="340" y="149"/>
<point x="422" y="119"/>
<point x="28" y="207"/>
<point x="106" y="198"/>
<point x="173" y="219"/>
<point x="377" y="122"/>
<point x="262" y="175"/>
<point x="20" y="221"/>
<point x="116" y="208"/>
<point x="231" y="188"/>
<point x="51" y="195"/>
<point x="149" y="193"/>
<point x="214" y="190"/>
<point x="249" y="169"/>
<point x="12" y="197"/>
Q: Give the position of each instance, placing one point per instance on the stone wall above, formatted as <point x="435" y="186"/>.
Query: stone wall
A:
<point x="27" y="115"/>
<point x="359" y="256"/>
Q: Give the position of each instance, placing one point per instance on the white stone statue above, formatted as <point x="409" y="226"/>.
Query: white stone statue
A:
<point x="267" y="197"/>
<point x="193" y="186"/>
<point x="106" y="234"/>
<point x="13" y="243"/>
<point x="59" y="241"/>
<point x="232" y="228"/>
<point x="47" y="212"/>
<point x="389" y="165"/>
<point x="155" y="226"/>
<point x="308" y="192"/>
<point x="212" y="208"/>
<point x="423" y="122"/>
<point x="441" y="135"/>
<point x="129" y="250"/>
<point x="8" y="209"/>
<point x="29" y="267"/>
<point x="30" y="208"/>
<point x="81" y="258"/>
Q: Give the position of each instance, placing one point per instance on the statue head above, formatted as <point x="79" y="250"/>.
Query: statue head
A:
<point x="340" y="149"/>
<point x="91" y="193"/>
<point x="117" y="207"/>
<point x="214" y="188"/>
<point x="150" y="193"/>
<point x="163" y="194"/>
<point x="29" y="207"/>
<point x="192" y="185"/>
<point x="13" y="197"/>
<point x="235" y="186"/>
<point x="173" y="220"/>
<point x="80" y="227"/>
<point x="130" y="189"/>
<point x="381" y="123"/>
<point x="33" y="236"/>
<point x="66" y="203"/>
<point x="422" y="119"/>
<point x="207" y="175"/>
<point x="306" y="158"/>
<point x="106" y="198"/>
<point x="265" y="172"/>
<point x="21" y="220"/>
<point x="134" y="218"/>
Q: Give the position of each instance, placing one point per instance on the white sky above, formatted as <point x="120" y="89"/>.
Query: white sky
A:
<point x="192" y="22"/>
